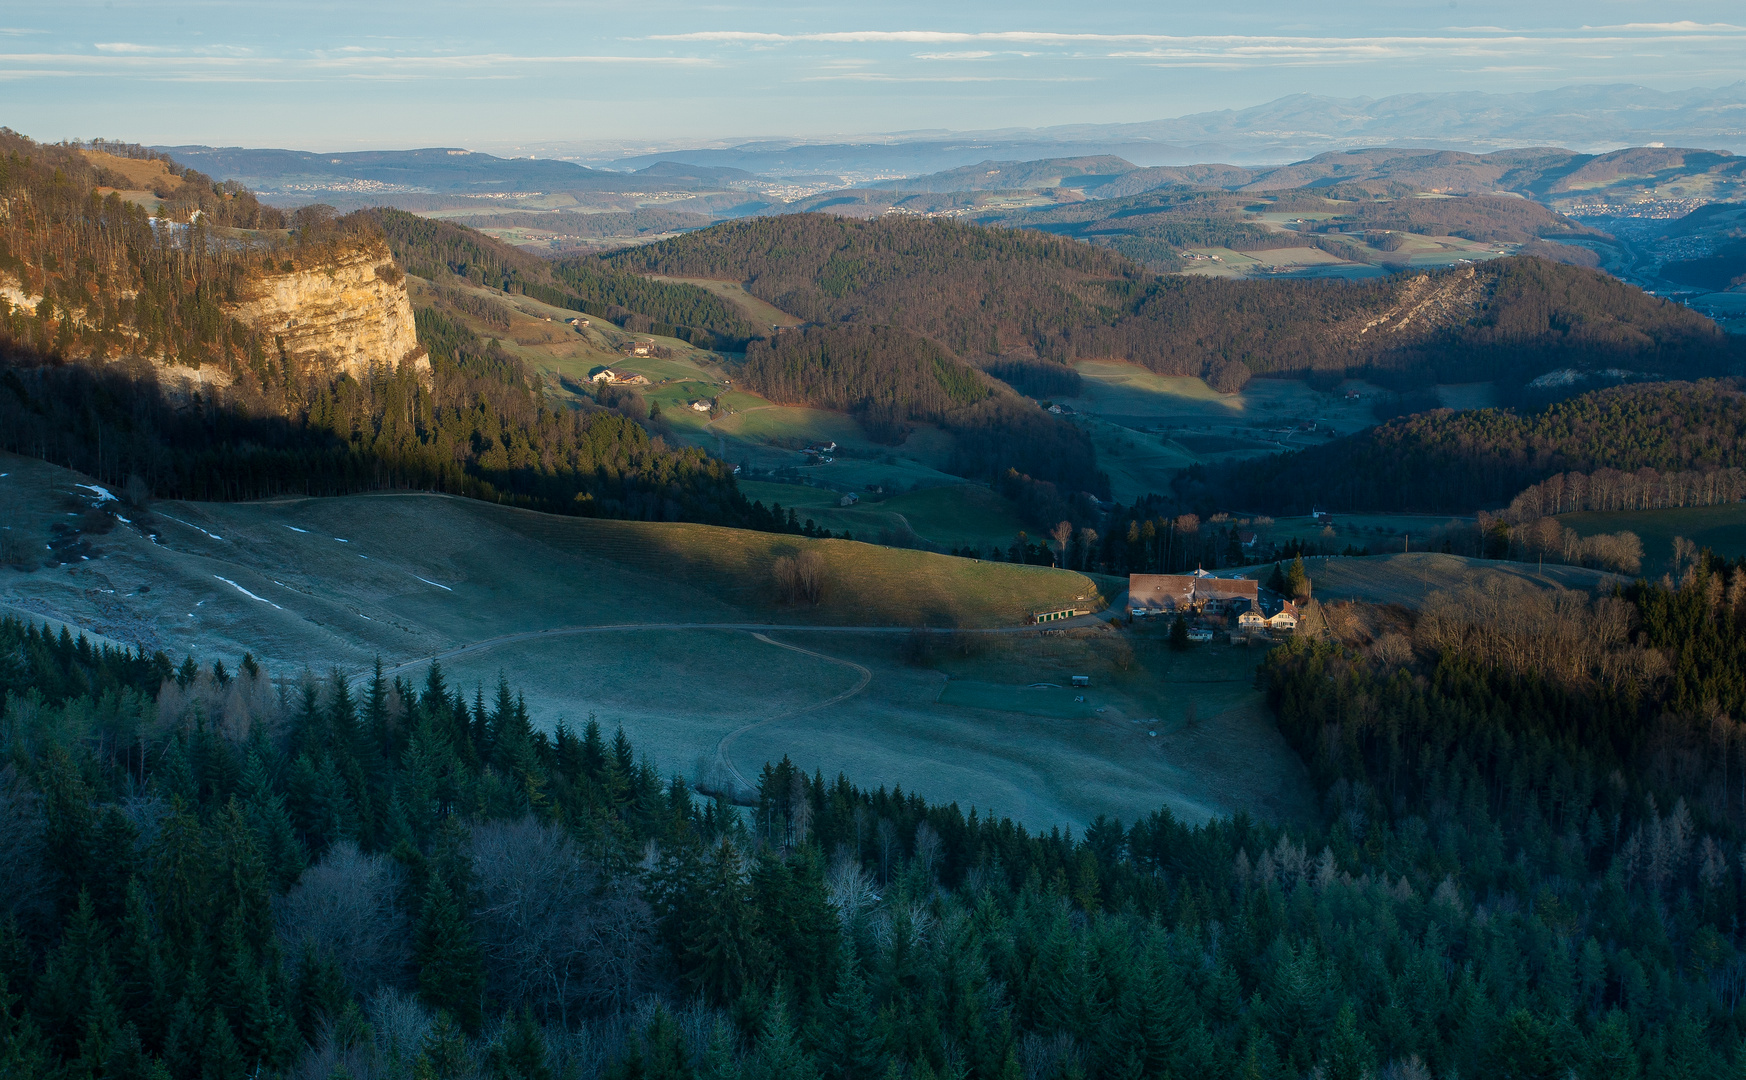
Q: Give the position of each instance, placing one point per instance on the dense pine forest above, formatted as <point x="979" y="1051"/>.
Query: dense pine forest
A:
<point x="1451" y="462"/>
<point x="988" y="293"/>
<point x="1526" y="865"/>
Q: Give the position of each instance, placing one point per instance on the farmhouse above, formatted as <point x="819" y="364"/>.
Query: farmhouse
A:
<point x="1283" y="619"/>
<point x="1251" y="621"/>
<point x="1191" y="593"/>
<point x="700" y="406"/>
<point x="608" y="375"/>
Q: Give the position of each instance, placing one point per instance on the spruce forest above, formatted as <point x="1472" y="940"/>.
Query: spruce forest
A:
<point x="1527" y="863"/>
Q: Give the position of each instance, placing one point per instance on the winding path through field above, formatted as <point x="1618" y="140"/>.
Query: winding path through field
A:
<point x="724" y="766"/>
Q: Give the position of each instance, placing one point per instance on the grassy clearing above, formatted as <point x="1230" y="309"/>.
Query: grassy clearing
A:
<point x="339" y="578"/>
<point x="1722" y="529"/>
<point x="1408" y="579"/>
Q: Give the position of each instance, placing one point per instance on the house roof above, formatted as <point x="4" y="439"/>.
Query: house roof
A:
<point x="1183" y="590"/>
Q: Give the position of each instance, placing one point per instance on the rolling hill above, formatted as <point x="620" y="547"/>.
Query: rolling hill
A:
<point x="990" y="293"/>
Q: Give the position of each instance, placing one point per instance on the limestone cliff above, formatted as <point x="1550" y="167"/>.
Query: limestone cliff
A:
<point x="347" y="313"/>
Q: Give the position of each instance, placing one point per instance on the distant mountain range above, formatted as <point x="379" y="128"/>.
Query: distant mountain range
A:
<point x="1590" y="119"/>
<point x="442" y="170"/>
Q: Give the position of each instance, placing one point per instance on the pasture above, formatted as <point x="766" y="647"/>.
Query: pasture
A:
<point x="944" y="516"/>
<point x="612" y="619"/>
<point x="1407" y="579"/>
<point x="1382" y="534"/>
<point x="1722" y="529"/>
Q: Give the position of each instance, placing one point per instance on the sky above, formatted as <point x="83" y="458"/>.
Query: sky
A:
<point x="507" y="74"/>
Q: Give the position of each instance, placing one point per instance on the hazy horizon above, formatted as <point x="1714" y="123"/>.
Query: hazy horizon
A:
<point x="321" y="76"/>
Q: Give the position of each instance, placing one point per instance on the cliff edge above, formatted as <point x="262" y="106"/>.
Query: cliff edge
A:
<point x="348" y="314"/>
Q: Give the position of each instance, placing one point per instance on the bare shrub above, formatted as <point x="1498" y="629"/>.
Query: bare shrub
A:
<point x="348" y="906"/>
<point x="799" y="578"/>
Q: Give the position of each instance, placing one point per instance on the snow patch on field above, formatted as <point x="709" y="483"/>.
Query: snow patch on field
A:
<point x="438" y="584"/>
<point x="246" y="593"/>
<point x="196" y="528"/>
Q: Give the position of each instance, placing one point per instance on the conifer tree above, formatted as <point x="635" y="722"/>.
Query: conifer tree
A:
<point x="443" y="1054"/>
<point x="851" y="1047"/>
<point x="778" y="1054"/>
<point x="451" y="971"/>
<point x="722" y="951"/>
<point x="719" y="1061"/>
<point x="519" y="1051"/>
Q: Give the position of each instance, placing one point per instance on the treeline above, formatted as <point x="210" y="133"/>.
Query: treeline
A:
<point x="439" y="250"/>
<point x="78" y="385"/>
<point x="989" y="292"/>
<point x="1524" y="870"/>
<point x="1642" y="489"/>
<point x="890" y="379"/>
<point x="1452" y="462"/>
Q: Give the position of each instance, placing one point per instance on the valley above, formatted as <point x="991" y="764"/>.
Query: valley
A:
<point x="717" y="626"/>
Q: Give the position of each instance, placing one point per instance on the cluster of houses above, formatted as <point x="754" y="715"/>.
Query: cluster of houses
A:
<point x="1231" y="601"/>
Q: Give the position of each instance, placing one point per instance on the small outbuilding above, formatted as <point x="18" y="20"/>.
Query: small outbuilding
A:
<point x="1081" y="680"/>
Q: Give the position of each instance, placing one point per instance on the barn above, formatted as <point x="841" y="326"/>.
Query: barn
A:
<point x="1162" y="594"/>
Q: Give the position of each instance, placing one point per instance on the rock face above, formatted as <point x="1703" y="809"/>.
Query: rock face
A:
<point x="349" y="315"/>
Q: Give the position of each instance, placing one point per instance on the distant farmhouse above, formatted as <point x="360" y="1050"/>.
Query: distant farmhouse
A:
<point x="1191" y="594"/>
<point x="607" y="375"/>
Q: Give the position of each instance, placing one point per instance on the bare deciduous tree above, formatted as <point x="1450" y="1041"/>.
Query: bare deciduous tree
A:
<point x="348" y="905"/>
<point x="554" y="938"/>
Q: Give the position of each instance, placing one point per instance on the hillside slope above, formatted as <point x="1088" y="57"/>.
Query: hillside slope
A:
<point x="405" y="575"/>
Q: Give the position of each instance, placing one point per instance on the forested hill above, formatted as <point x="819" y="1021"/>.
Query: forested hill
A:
<point x="437" y="249"/>
<point x="1457" y="462"/>
<point x="986" y="292"/>
<point x="889" y="378"/>
<point x="125" y="309"/>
